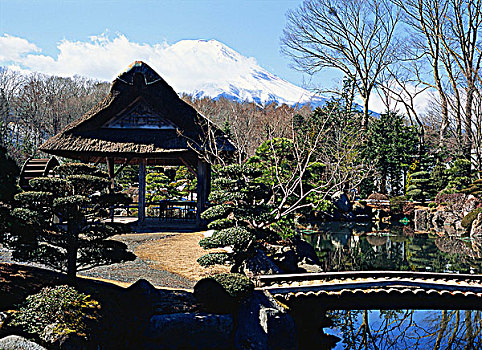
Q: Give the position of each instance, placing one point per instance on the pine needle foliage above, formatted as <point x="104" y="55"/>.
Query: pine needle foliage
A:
<point x="240" y="215"/>
<point x="59" y="223"/>
<point x="8" y="176"/>
<point x="420" y="184"/>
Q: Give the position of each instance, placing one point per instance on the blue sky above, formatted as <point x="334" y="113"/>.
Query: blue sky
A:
<point x="251" y="27"/>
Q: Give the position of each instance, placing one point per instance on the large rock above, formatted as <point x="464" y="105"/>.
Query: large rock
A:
<point x="189" y="331"/>
<point x="305" y="253"/>
<point x="310" y="268"/>
<point x="212" y="297"/>
<point x="3" y="318"/>
<point x="444" y="220"/>
<point x="421" y="220"/>
<point x="300" y="256"/>
<point x="470" y="204"/>
<point x="140" y="300"/>
<point x="14" y="342"/>
<point x="476" y="229"/>
<point x="260" y="264"/>
<point x="285" y="258"/>
<point x="264" y="324"/>
<point x="341" y="202"/>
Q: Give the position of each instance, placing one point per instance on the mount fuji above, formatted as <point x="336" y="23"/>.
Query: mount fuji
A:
<point x="211" y="69"/>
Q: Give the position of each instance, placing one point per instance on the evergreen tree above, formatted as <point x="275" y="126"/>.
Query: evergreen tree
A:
<point x="439" y="176"/>
<point x="459" y="175"/>
<point x="391" y="144"/>
<point x="9" y="172"/>
<point x="419" y="183"/>
<point x="475" y="188"/>
<point x="58" y="223"/>
<point x="240" y="216"/>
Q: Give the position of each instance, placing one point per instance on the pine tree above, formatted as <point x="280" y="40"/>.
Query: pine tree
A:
<point x="475" y="188"/>
<point x="59" y="222"/>
<point x="420" y="184"/>
<point x="8" y="187"/>
<point x="9" y="172"/>
<point x="240" y="216"/>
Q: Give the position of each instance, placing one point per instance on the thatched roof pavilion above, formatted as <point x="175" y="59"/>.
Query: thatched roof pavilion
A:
<point x="141" y="121"/>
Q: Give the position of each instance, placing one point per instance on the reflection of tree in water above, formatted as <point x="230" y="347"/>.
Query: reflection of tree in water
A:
<point x="360" y="253"/>
<point x="408" y="329"/>
<point x="446" y="253"/>
<point x="344" y="251"/>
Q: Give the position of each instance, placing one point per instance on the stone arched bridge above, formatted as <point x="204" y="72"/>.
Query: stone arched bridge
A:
<point x="376" y="290"/>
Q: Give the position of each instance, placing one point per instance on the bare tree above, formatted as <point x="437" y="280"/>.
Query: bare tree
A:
<point x="326" y="145"/>
<point x="399" y="87"/>
<point x="464" y="46"/>
<point x="246" y="123"/>
<point x="354" y="36"/>
<point x="35" y="106"/>
<point x="427" y="21"/>
<point x="445" y="34"/>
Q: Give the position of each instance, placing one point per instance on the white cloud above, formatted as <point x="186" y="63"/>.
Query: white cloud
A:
<point x="188" y="66"/>
<point x="104" y="58"/>
<point x="13" y="48"/>
<point x="99" y="58"/>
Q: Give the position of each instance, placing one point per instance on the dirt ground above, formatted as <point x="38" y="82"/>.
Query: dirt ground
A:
<point x="177" y="253"/>
<point x="166" y="260"/>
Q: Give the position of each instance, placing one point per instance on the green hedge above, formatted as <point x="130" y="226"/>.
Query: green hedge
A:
<point x="213" y="259"/>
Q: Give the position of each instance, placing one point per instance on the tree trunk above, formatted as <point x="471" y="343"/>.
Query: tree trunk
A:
<point x="468" y="122"/>
<point x="441" y="332"/>
<point x="72" y="249"/>
<point x="365" y="114"/>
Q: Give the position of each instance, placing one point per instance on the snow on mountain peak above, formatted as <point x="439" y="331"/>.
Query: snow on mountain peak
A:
<point x="208" y="68"/>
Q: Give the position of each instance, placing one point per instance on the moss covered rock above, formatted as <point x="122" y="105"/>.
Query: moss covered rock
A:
<point x="470" y="217"/>
<point x="223" y="292"/>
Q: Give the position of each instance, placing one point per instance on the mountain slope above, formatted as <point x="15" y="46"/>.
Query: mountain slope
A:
<point x="212" y="69"/>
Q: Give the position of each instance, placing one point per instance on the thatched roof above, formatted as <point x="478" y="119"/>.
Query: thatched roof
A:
<point x="141" y="117"/>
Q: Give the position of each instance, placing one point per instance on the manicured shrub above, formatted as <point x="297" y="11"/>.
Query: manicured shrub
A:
<point x="236" y="285"/>
<point x="452" y="201"/>
<point x="470" y="217"/>
<point x="223" y="293"/>
<point x="475" y="188"/>
<point x="213" y="259"/>
<point x="396" y="204"/>
<point x="239" y="207"/>
<point x="459" y="175"/>
<point x="62" y="306"/>
<point x="80" y="240"/>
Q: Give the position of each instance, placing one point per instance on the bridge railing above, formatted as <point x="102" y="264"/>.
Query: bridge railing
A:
<point x="266" y="280"/>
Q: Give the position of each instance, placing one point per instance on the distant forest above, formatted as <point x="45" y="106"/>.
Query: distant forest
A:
<point x="34" y="107"/>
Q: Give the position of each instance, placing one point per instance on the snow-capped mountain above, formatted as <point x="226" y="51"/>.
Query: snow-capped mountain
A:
<point x="211" y="69"/>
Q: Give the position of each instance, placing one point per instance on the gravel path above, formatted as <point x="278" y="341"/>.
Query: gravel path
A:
<point x="130" y="271"/>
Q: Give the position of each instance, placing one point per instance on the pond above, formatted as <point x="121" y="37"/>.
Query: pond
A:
<point x="368" y="246"/>
<point x="406" y="329"/>
<point x="396" y="247"/>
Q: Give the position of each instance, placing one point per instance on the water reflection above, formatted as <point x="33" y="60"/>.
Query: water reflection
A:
<point x="406" y="329"/>
<point x="357" y="247"/>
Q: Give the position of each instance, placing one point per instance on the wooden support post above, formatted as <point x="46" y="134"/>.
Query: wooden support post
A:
<point x="203" y="189"/>
<point x="141" y="213"/>
<point x="110" y="168"/>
